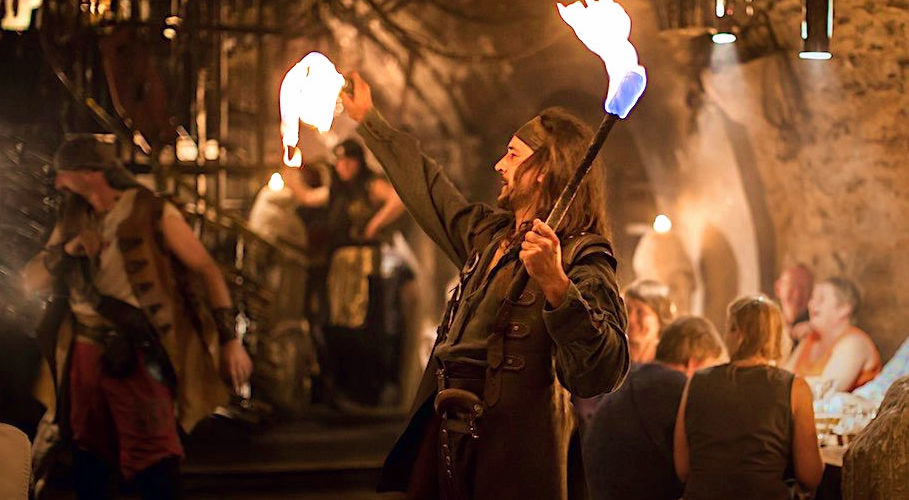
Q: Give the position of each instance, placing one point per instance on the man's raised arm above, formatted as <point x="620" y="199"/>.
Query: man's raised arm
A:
<point x="433" y="201"/>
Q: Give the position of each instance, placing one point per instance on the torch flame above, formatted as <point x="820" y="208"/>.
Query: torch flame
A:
<point x="309" y="93"/>
<point x="292" y="156"/>
<point x="604" y="27"/>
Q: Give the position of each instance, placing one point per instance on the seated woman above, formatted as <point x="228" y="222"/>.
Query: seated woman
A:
<point x="649" y="310"/>
<point x="739" y="424"/>
<point x="834" y="349"/>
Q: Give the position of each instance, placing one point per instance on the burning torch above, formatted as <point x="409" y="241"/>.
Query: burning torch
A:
<point x="309" y="94"/>
<point x="604" y="27"/>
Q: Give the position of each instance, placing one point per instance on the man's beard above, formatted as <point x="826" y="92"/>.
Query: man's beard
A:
<point x="503" y="201"/>
<point x="514" y="198"/>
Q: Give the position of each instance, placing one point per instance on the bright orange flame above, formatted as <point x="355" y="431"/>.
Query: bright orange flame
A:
<point x="309" y="93"/>
<point x="292" y="156"/>
<point x="604" y="28"/>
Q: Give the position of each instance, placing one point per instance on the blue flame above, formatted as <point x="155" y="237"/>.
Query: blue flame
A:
<point x="630" y="90"/>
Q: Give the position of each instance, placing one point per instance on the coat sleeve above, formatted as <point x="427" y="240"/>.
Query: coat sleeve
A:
<point x="430" y="197"/>
<point x="588" y="329"/>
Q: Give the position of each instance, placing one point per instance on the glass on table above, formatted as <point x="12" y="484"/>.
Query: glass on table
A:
<point x="856" y="415"/>
<point x="821" y="388"/>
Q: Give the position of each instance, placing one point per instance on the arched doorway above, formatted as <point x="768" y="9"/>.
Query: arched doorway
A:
<point x="719" y="275"/>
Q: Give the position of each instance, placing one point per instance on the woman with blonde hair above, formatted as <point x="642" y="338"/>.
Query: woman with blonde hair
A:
<point x="740" y="424"/>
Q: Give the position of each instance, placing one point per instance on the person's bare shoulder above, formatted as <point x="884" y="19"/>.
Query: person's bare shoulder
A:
<point x="855" y="342"/>
<point x="801" y="391"/>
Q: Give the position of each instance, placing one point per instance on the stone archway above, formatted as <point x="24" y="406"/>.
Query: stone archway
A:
<point x="719" y="275"/>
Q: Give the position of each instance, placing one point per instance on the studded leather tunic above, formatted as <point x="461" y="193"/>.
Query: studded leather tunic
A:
<point x="172" y="300"/>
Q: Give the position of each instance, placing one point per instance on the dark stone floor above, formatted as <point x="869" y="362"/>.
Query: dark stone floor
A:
<point x="329" y="454"/>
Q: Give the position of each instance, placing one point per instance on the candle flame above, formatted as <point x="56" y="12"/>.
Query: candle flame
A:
<point x="604" y="26"/>
<point x="309" y="93"/>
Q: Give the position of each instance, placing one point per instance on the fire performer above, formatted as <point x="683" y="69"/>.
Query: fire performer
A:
<point x="502" y="420"/>
<point x="132" y="341"/>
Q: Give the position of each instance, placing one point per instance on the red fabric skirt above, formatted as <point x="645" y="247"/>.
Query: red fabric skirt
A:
<point x="128" y="420"/>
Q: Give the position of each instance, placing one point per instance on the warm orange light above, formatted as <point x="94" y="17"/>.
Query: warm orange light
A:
<point x="18" y="19"/>
<point x="309" y="93"/>
<point x="276" y="182"/>
<point x="292" y="156"/>
<point x="662" y="224"/>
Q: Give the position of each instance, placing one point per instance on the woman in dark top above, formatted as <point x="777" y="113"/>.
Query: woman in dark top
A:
<point x="359" y="316"/>
<point x="740" y="424"/>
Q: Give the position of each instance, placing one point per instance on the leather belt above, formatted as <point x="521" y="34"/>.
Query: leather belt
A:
<point x="97" y="334"/>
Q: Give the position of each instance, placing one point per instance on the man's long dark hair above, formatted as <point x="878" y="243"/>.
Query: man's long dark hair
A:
<point x="557" y="159"/>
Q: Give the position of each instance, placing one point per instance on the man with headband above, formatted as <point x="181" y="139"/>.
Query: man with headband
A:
<point x="131" y="342"/>
<point x="492" y="417"/>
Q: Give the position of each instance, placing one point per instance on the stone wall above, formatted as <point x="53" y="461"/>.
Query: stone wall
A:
<point x="834" y="164"/>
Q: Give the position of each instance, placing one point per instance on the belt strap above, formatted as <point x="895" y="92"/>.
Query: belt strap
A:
<point x="495" y="347"/>
<point x="94" y="333"/>
<point x="470" y="379"/>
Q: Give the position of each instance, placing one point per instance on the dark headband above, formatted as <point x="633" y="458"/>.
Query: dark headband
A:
<point x="533" y="133"/>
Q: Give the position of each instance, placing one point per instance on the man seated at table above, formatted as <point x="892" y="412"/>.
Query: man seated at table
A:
<point x="628" y="445"/>
<point x="835" y="349"/>
<point x="793" y="290"/>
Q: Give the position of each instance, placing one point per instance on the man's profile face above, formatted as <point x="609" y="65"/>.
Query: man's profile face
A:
<point x="793" y="292"/>
<point x="784" y="286"/>
<point x="789" y="294"/>
<point x="513" y="196"/>
<point x="825" y="309"/>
